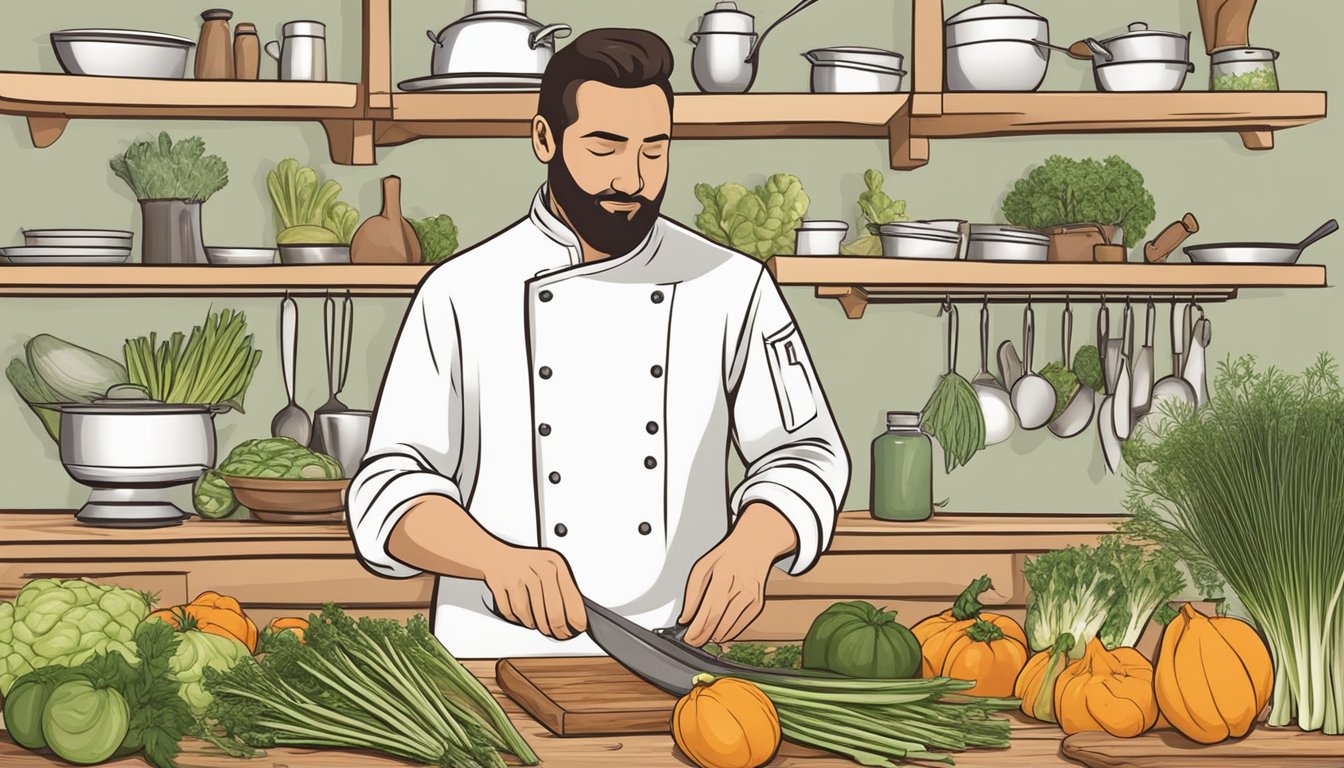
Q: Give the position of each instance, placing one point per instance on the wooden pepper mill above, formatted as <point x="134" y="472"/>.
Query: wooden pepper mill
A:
<point x="387" y="238"/>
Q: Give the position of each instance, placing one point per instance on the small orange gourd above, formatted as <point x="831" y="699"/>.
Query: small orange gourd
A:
<point x="1214" y="676"/>
<point x="1109" y="691"/>
<point x="292" y="624"/>
<point x="215" y="614"/>
<point x="726" y="723"/>
<point x="937" y="634"/>
<point x="985" y="654"/>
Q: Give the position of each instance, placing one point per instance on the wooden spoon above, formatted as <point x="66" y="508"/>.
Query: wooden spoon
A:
<point x="1081" y="51"/>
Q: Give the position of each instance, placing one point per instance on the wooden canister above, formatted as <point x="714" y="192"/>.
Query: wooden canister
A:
<point x="246" y="52"/>
<point x="214" y="55"/>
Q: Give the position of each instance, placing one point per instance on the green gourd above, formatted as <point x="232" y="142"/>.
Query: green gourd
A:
<point x="859" y="640"/>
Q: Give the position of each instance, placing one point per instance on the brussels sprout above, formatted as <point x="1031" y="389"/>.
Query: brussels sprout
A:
<point x="212" y="497"/>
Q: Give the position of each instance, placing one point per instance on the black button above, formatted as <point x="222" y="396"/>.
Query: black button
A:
<point x="545" y="295"/>
<point x="544" y="430"/>
<point x="645" y="529"/>
<point x="652" y="427"/>
<point x="545" y="372"/>
<point x="560" y="529"/>
<point x="650" y="462"/>
<point x="657" y="297"/>
<point x="657" y="371"/>
<point x="554" y="477"/>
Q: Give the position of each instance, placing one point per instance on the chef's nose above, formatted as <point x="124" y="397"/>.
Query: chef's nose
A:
<point x="629" y="180"/>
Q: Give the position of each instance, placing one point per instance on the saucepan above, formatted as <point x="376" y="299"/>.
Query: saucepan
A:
<point x="1257" y="253"/>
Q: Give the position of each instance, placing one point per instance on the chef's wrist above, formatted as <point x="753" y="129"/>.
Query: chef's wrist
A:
<point x="764" y="532"/>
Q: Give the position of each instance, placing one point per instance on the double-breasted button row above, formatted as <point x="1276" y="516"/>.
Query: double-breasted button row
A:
<point x="561" y="530"/>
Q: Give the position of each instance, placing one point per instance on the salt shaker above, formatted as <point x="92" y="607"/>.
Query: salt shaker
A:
<point x="246" y="52"/>
<point x="214" y="56"/>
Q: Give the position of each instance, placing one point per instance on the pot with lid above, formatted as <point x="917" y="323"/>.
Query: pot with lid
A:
<point x="722" y="43"/>
<point x="1141" y="44"/>
<point x="996" y="46"/>
<point x="127" y="447"/>
<point x="497" y="38"/>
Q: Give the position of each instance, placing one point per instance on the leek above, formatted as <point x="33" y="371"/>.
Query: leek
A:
<point x="1251" y="487"/>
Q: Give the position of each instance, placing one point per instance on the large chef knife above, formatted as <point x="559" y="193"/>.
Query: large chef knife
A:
<point x="661" y="657"/>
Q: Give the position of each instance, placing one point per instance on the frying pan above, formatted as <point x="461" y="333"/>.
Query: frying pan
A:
<point x="1257" y="253"/>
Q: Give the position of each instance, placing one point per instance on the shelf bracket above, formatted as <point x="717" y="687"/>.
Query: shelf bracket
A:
<point x="907" y="152"/>
<point x="853" y="299"/>
<point x="1257" y="140"/>
<point x="46" y="129"/>
<point x="350" y="141"/>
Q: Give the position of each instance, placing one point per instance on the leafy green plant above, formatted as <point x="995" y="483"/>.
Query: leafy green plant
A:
<point x="1250" y="488"/>
<point x="759" y="222"/>
<point x="1148" y="578"/>
<point x="307" y="212"/>
<point x="1065" y="383"/>
<point x="876" y="208"/>
<point x="1067" y="191"/>
<point x="437" y="236"/>
<point x="162" y="170"/>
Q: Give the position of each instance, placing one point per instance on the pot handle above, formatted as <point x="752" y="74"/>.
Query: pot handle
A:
<point x="538" y="38"/>
<point x="219" y="408"/>
<point x="1100" y="50"/>
<point x="273" y="49"/>
<point x="1190" y="67"/>
<point x="433" y="38"/>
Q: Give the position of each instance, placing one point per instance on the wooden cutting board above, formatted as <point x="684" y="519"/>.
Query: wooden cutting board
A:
<point x="1262" y="748"/>
<point x="585" y="696"/>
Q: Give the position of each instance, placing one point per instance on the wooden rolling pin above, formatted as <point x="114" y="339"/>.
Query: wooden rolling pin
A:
<point x="1159" y="248"/>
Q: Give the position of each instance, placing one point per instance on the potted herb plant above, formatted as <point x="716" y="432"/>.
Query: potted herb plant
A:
<point x="1081" y="203"/>
<point x="171" y="181"/>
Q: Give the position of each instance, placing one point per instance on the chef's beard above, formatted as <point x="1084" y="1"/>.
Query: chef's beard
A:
<point x="613" y="233"/>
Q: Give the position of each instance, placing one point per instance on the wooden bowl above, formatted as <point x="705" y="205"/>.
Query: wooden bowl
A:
<point x="291" y="501"/>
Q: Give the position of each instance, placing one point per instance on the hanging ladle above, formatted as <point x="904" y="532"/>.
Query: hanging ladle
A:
<point x="754" y="55"/>
<point x="1078" y="412"/>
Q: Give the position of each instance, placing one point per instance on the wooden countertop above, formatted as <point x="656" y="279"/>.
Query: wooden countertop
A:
<point x="1035" y="745"/>
<point x="28" y="535"/>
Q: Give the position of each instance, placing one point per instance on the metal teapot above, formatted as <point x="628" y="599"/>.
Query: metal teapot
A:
<point x="497" y="38"/>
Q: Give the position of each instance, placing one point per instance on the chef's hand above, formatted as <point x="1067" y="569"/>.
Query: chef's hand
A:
<point x="726" y="588"/>
<point x="535" y="588"/>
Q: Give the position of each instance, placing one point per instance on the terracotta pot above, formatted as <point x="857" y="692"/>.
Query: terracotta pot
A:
<point x="1074" y="242"/>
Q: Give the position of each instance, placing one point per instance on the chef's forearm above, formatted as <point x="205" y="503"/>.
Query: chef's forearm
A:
<point x="766" y="528"/>
<point x="438" y="536"/>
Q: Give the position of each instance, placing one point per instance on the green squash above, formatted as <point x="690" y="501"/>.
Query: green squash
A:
<point x="859" y="640"/>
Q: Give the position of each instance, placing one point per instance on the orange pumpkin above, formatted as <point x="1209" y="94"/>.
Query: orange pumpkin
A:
<point x="938" y="634"/>
<point x="292" y="624"/>
<point x="1035" y="686"/>
<point x="986" y="655"/>
<point x="726" y="723"/>
<point x="1109" y="691"/>
<point x="1214" y="676"/>
<point x="215" y="614"/>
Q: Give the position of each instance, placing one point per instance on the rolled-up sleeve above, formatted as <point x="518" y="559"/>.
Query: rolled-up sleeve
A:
<point x="416" y="441"/>
<point x="784" y="429"/>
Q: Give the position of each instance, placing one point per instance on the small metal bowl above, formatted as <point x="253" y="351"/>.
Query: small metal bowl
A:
<point x="314" y="254"/>
<point x="240" y="257"/>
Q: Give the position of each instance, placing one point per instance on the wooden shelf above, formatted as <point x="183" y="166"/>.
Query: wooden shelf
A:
<point x="859" y="281"/>
<point x="1254" y="115"/>
<point x="165" y="281"/>
<point x="698" y="116"/>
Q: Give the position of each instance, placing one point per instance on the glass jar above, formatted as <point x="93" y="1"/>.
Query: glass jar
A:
<point x="1244" y="69"/>
<point x="902" y="470"/>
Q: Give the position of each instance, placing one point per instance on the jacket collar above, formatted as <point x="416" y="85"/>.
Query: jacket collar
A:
<point x="559" y="232"/>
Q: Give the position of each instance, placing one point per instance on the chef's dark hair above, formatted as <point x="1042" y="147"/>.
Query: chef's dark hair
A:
<point x="622" y="58"/>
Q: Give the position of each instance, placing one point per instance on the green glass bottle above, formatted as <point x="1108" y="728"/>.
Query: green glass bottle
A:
<point x="902" y="470"/>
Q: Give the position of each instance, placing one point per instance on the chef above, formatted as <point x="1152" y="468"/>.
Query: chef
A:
<point x="556" y="417"/>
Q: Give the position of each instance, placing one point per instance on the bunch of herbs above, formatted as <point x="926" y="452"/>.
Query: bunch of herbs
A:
<point x="162" y="170"/>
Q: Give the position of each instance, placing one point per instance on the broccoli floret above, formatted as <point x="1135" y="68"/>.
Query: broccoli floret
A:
<point x="437" y="236"/>
<point x="1065" y="383"/>
<point x="1087" y="366"/>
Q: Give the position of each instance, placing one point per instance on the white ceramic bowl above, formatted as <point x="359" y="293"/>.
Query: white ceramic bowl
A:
<point x="1142" y="75"/>
<point x="240" y="257"/>
<point x="78" y="238"/>
<point x="914" y="247"/>
<point x="847" y="77"/>
<point x="815" y="237"/>
<point x="996" y="65"/>
<point x="314" y="254"/>
<point x="121" y="53"/>
<point x="918" y="229"/>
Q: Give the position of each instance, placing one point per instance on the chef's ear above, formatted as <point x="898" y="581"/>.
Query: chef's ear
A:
<point x="543" y="140"/>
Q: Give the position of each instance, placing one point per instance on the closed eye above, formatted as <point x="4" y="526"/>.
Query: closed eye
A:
<point x="608" y="153"/>
<point x="651" y="157"/>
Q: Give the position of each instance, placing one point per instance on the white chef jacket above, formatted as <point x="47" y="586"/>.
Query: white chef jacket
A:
<point x="588" y="408"/>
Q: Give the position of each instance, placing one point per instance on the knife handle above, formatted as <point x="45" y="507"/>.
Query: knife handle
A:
<point x="1159" y="248"/>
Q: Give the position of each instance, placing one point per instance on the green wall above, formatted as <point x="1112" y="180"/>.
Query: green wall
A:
<point x="889" y="360"/>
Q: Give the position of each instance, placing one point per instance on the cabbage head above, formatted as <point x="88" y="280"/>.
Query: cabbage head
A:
<point x="759" y="222"/>
<point x="55" y="622"/>
<point x="196" y="651"/>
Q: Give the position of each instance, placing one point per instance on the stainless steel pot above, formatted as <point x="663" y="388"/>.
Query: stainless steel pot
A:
<point x="1140" y="44"/>
<point x="498" y="38"/>
<point x="849" y="77"/>
<point x="997" y="65"/>
<point x="995" y="20"/>
<point x="126" y="448"/>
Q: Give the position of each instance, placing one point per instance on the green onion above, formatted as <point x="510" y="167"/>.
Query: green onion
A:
<point x="212" y="366"/>
<point x="1250" y="489"/>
